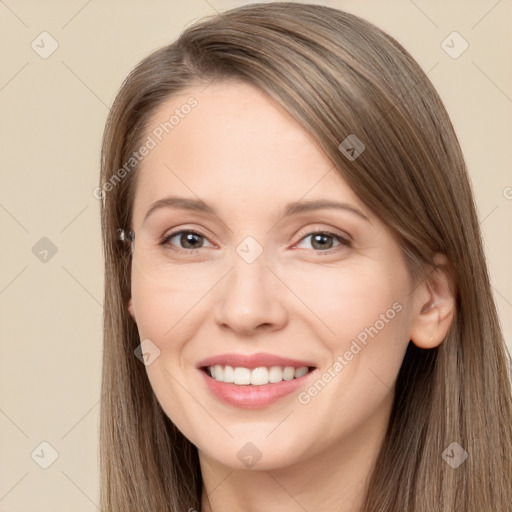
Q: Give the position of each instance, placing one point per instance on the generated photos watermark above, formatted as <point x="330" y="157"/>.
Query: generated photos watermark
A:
<point x="156" y="136"/>
<point x="342" y="360"/>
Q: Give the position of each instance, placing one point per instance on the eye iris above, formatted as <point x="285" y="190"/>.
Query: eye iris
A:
<point x="188" y="238"/>
<point x="321" y="239"/>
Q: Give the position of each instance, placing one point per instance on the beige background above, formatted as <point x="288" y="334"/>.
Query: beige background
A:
<point x="53" y="112"/>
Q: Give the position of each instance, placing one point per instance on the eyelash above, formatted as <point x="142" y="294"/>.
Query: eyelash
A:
<point x="165" y="241"/>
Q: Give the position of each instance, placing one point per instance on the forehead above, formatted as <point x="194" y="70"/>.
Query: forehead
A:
<point x="234" y="144"/>
<point x="229" y="119"/>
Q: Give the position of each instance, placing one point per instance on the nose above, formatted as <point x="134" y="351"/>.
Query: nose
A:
<point x="250" y="300"/>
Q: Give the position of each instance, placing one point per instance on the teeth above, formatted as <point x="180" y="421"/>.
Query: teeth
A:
<point x="289" y="373"/>
<point x="229" y="374"/>
<point x="257" y="376"/>
<point x="275" y="374"/>
<point x="241" y="376"/>
<point x="299" y="372"/>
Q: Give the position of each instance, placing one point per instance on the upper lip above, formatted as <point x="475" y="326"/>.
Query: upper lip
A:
<point x="252" y="361"/>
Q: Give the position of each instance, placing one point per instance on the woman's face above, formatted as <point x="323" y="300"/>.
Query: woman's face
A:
<point x="262" y="279"/>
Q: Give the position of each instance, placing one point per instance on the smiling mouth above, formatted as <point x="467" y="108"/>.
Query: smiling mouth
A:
<point x="259" y="376"/>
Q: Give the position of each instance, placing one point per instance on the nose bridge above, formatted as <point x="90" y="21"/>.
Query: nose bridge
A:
<point x="248" y="298"/>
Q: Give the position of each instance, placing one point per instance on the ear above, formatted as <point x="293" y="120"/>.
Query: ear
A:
<point x="434" y="306"/>
<point x="130" y="308"/>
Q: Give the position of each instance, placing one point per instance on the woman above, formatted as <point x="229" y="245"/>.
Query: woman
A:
<point x="298" y="313"/>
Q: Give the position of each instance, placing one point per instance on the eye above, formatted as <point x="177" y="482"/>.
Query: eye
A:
<point x="323" y="240"/>
<point x="188" y="240"/>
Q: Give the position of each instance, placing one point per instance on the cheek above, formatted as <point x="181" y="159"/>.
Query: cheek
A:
<point x="375" y="324"/>
<point x="165" y="314"/>
<point x="152" y="309"/>
<point x="362" y="300"/>
<point x="364" y="315"/>
<point x="164" y="304"/>
<point x="366" y="310"/>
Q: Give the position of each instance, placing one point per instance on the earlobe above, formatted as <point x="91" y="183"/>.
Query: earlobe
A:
<point x="434" y="306"/>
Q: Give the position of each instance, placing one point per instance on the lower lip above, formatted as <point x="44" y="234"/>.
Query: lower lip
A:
<point x="251" y="396"/>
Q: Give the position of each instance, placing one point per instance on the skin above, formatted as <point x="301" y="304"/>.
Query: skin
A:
<point x="243" y="154"/>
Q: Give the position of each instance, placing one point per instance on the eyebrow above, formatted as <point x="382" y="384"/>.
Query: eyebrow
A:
<point x="294" y="208"/>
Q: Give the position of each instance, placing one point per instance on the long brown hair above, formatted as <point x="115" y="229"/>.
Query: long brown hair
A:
<point x="337" y="75"/>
